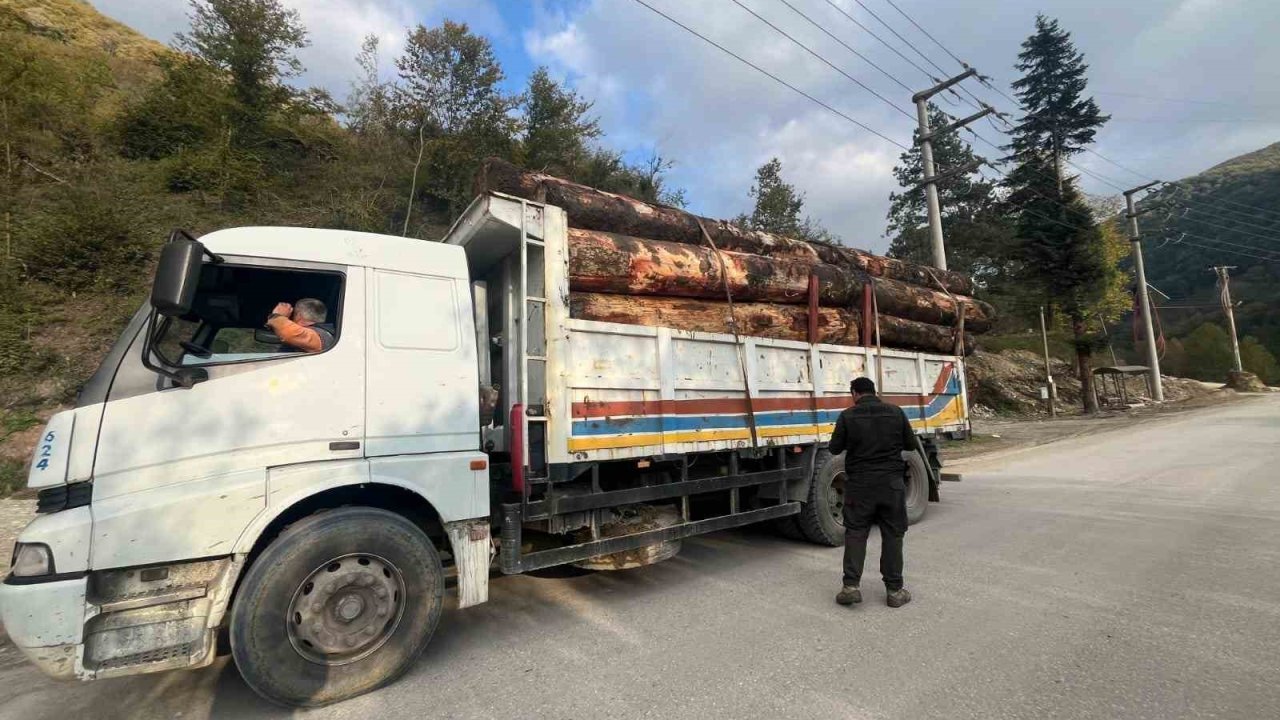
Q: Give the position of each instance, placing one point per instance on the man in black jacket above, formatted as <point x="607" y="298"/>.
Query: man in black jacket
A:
<point x="872" y="434"/>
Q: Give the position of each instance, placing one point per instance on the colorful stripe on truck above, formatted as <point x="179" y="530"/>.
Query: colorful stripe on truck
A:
<point x="636" y="423"/>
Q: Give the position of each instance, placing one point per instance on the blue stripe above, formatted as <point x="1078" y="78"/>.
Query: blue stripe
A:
<point x="677" y="423"/>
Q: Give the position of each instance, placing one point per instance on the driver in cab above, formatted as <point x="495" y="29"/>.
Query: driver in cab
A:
<point x="297" y="325"/>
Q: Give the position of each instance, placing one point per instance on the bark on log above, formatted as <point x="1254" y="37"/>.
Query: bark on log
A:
<point x="767" y="320"/>
<point x="836" y="326"/>
<point x="611" y="263"/>
<point x="593" y="209"/>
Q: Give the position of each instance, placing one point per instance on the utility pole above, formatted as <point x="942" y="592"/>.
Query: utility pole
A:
<point x="1144" y="299"/>
<point x="1224" y="278"/>
<point x="925" y="139"/>
<point x="1048" y="372"/>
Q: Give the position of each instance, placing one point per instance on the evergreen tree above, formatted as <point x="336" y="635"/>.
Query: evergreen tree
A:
<point x="973" y="222"/>
<point x="1208" y="350"/>
<point x="1061" y="251"/>
<point x="557" y="126"/>
<point x="778" y="205"/>
<point x="254" y="41"/>
<point x="1059" y="122"/>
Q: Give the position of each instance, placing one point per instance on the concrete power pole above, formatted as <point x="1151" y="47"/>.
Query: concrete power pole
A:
<point x="1051" y="391"/>
<point x="1144" y="299"/>
<point x="925" y="139"/>
<point x="1224" y="278"/>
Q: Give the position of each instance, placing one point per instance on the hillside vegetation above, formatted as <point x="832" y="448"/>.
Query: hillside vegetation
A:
<point x="108" y="140"/>
<point x="1226" y="215"/>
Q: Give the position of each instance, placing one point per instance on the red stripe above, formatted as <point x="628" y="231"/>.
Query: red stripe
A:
<point x="943" y="378"/>
<point x="724" y="406"/>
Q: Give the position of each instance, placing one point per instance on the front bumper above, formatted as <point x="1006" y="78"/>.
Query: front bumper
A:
<point x="46" y="622"/>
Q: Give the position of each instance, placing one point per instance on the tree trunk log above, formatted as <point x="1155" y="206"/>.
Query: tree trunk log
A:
<point x="836" y="326"/>
<point x="610" y="263"/>
<point x="593" y="209"/>
<point x="767" y="320"/>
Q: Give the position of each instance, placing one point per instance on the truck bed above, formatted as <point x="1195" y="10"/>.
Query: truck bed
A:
<point x="607" y="391"/>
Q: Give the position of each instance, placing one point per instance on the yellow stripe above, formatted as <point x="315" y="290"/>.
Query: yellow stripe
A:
<point x="950" y="413"/>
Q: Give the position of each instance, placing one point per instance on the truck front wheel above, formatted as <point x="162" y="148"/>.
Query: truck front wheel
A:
<point x="339" y="604"/>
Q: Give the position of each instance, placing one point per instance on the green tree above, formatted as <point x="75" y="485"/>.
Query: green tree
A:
<point x="369" y="106"/>
<point x="557" y="126"/>
<point x="449" y="97"/>
<point x="608" y="170"/>
<point x="1208" y="350"/>
<point x="1061" y="250"/>
<point x="1257" y="359"/>
<point x="778" y="205"/>
<point x="1059" y="122"/>
<point x="255" y="42"/>
<point x="976" y="229"/>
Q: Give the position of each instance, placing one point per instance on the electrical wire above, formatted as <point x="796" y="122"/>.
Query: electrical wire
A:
<point x="770" y="75"/>
<point x="926" y="33"/>
<point x="828" y="63"/>
<point x="847" y="46"/>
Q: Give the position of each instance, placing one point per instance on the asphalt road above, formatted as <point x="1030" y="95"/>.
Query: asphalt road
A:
<point x="1131" y="574"/>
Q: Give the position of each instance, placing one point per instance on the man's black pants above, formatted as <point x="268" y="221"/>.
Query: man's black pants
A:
<point x="885" y="506"/>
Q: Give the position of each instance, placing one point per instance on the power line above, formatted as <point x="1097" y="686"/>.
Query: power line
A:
<point x="882" y="41"/>
<point x="828" y="63"/>
<point x="770" y="75"/>
<point x="1180" y="184"/>
<point x="889" y="27"/>
<point x="847" y="46"/>
<point x="1188" y="218"/>
<point x="1227" y="250"/>
<point x="926" y="34"/>
<point x="1189" y="100"/>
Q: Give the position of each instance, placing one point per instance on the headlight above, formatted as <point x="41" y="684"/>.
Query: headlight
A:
<point x="32" y="560"/>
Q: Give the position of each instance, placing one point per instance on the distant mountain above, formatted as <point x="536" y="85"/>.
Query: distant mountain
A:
<point x="1226" y="215"/>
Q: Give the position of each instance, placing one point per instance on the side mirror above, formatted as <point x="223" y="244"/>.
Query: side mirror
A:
<point x="177" y="275"/>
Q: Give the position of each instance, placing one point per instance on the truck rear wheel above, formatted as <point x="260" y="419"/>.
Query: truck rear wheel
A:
<point x="341" y="603"/>
<point x="821" y="518"/>
<point x="917" y="487"/>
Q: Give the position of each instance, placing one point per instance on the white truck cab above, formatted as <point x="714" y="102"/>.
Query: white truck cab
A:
<point x="200" y="433"/>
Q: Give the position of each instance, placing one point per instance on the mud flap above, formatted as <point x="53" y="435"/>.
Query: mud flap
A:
<point x="472" y="555"/>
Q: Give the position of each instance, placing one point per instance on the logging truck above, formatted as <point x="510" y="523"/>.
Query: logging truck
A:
<point x="304" y="510"/>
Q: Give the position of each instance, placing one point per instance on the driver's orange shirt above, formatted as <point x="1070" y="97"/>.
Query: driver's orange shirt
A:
<point x="295" y="335"/>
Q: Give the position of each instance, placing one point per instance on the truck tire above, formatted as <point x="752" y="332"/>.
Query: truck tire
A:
<point x="821" y="518"/>
<point x="917" y="487"/>
<point x="339" y="604"/>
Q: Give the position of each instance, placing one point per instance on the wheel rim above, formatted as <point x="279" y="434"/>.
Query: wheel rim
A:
<point x="346" y="609"/>
<point x="835" y="498"/>
<point x="915" y="486"/>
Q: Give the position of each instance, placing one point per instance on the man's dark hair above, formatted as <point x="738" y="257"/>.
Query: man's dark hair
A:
<point x="863" y="386"/>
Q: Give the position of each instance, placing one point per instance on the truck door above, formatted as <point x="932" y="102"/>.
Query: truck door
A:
<point x="423" y="380"/>
<point x="180" y="471"/>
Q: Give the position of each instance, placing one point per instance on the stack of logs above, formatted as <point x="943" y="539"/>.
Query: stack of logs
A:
<point x="644" y="264"/>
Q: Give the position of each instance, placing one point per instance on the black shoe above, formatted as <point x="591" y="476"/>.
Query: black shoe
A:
<point x="849" y="595"/>
<point x="898" y="598"/>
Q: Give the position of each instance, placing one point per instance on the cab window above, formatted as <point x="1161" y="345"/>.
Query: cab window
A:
<point x="228" y="318"/>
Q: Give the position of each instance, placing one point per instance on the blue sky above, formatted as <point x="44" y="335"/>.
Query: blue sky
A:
<point x="1189" y="82"/>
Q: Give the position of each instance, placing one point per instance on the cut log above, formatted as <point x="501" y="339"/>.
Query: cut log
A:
<point x="593" y="209"/>
<point x="611" y="263"/>
<point x="836" y="326"/>
<point x="767" y="320"/>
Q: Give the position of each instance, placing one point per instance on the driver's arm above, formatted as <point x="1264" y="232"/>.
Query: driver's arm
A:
<point x="291" y="333"/>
